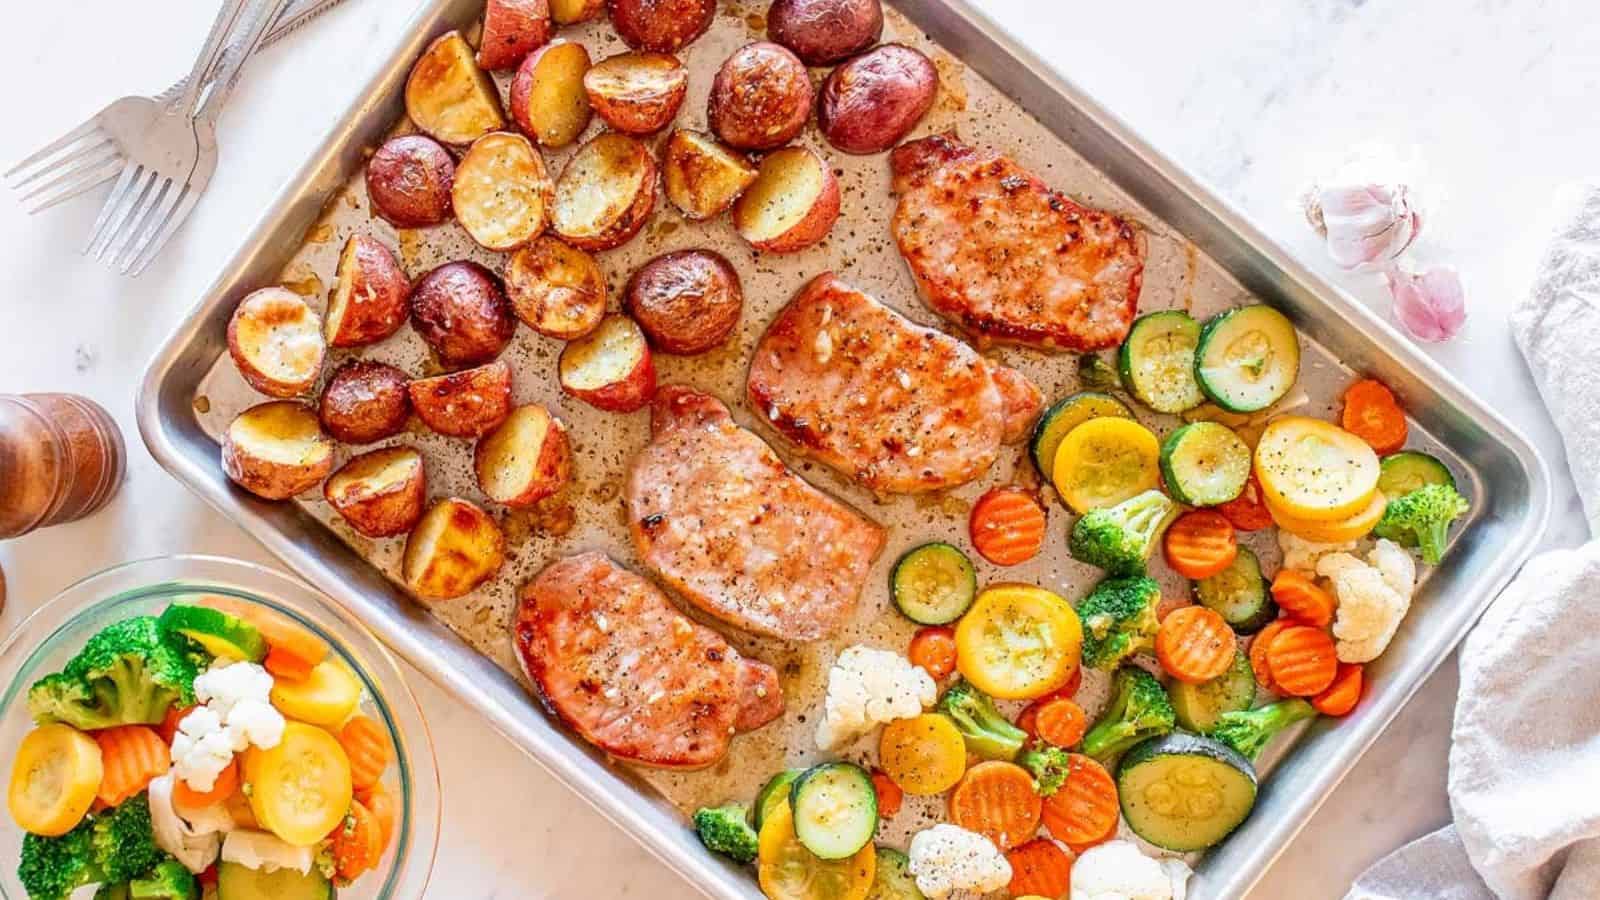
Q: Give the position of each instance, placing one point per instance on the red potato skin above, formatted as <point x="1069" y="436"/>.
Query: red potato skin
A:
<point x="823" y="32"/>
<point x="870" y="103"/>
<point x="661" y="26"/>
<point x="467" y="404"/>
<point x="632" y="392"/>
<point x="686" y="302"/>
<point x="379" y="288"/>
<point x="760" y="98"/>
<point x="393" y="511"/>
<point x="272" y="480"/>
<point x="522" y="93"/>
<point x="511" y="30"/>
<point x="364" y="402"/>
<point x="409" y="180"/>
<point x="640" y="112"/>
<point x="460" y="309"/>
<point x="554" y="466"/>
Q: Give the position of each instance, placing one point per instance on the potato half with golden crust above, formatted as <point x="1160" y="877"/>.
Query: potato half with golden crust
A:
<point x="610" y="368"/>
<point x="702" y="177"/>
<point x="686" y="302"/>
<point x="555" y="289"/>
<point x="455" y="548"/>
<point x="380" y="493"/>
<point x="792" y="205"/>
<point x="466" y="404"/>
<point x="823" y="32"/>
<point x="526" y="459"/>
<point x="448" y="96"/>
<point x="368" y="300"/>
<point x="661" y="26"/>
<point x="637" y="92"/>
<point x="502" y="192"/>
<point x="409" y="180"/>
<point x="868" y="104"/>
<point x="605" y="194"/>
<point x="760" y="97"/>
<point x="548" y="101"/>
<point x="511" y="30"/>
<point x="276" y="341"/>
<point x="276" y="450"/>
<point x="460" y="309"/>
<point x="365" y="401"/>
<point x="571" y="12"/>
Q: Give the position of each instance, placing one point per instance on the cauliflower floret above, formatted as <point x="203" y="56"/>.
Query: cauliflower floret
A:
<point x="868" y="687"/>
<point x="1116" y="870"/>
<point x="222" y="686"/>
<point x="255" y="722"/>
<point x="1302" y="555"/>
<point x="195" y="843"/>
<point x="1399" y="569"/>
<point x="1371" y="600"/>
<point x="945" y="859"/>
<point x="201" y="748"/>
<point x="237" y="713"/>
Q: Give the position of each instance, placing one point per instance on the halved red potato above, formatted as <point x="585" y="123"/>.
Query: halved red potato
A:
<point x="467" y="404"/>
<point x="661" y="25"/>
<point x="611" y="368"/>
<point x="606" y="193"/>
<point x="460" y="309"/>
<point x="792" y="204"/>
<point x="555" y="289"/>
<point x="548" y="101"/>
<point x="637" y="92"/>
<point x="701" y="176"/>
<point x="409" y="180"/>
<point x="276" y="450"/>
<point x="511" y="30"/>
<point x="368" y="302"/>
<point x="502" y="192"/>
<point x="455" y="548"/>
<point x="526" y="459"/>
<point x="571" y="12"/>
<point x="760" y="97"/>
<point x="365" y="401"/>
<point x="448" y="96"/>
<point x="380" y="493"/>
<point x="276" y="341"/>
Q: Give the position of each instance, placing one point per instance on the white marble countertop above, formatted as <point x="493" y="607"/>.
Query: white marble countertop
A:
<point x="1496" y="98"/>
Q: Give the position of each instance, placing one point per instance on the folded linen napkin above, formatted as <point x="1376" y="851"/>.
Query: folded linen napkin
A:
<point x="1525" y="753"/>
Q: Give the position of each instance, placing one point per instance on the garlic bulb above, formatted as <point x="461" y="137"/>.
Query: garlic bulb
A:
<point x="1363" y="225"/>
<point x="1430" y="306"/>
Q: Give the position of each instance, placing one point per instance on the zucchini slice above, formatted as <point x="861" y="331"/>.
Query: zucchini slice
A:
<point x="893" y="880"/>
<point x="773" y="793"/>
<point x="1157" y="361"/>
<point x="1315" y="471"/>
<point x="933" y="584"/>
<point x="1063" y="416"/>
<point x="835" y="809"/>
<point x="222" y="635"/>
<point x="1239" y="594"/>
<point x="239" y="882"/>
<point x="1403" y="472"/>
<point x="1104" y="461"/>
<point x="1199" y="706"/>
<point x="1205" y="464"/>
<point x="1247" y="358"/>
<point x="1185" y="792"/>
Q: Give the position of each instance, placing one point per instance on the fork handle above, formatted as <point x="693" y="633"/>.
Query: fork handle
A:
<point x="259" y="22"/>
<point x="216" y="43"/>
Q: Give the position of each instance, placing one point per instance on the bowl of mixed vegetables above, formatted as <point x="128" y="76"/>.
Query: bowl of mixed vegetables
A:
<point x="190" y="726"/>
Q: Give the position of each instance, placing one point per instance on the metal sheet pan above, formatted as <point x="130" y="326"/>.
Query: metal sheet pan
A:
<point x="1204" y="256"/>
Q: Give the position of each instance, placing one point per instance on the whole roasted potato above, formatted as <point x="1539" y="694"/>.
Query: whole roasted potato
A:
<point x="380" y="493"/>
<point x="822" y="32"/>
<point x="365" y="401"/>
<point x="461" y="310"/>
<point x="661" y="26"/>
<point x="409" y="181"/>
<point x="687" y="302"/>
<point x="368" y="303"/>
<point x="869" y="103"/>
<point x="276" y="450"/>
<point x="760" y="97"/>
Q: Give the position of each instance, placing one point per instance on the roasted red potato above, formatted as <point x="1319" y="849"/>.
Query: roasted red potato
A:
<point x="455" y="548"/>
<point x="461" y="310"/>
<point x="548" y="101"/>
<point x="869" y="103"/>
<point x="702" y="177"/>
<point x="409" y="180"/>
<point x="823" y="32"/>
<point x="448" y="96"/>
<point x="526" y="459"/>
<point x="637" y="92"/>
<point x="605" y="194"/>
<point x="511" y="30"/>
<point x="686" y="302"/>
<point x="365" y="401"/>
<point x="502" y="193"/>
<point x="571" y="12"/>
<point x="466" y="404"/>
<point x="380" y="493"/>
<point x="555" y="289"/>
<point x="276" y="341"/>
<point x="661" y="26"/>
<point x="368" y="302"/>
<point x="792" y="205"/>
<point x="760" y="97"/>
<point x="610" y="368"/>
<point x="276" y="450"/>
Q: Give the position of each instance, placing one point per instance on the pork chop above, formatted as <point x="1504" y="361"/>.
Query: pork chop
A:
<point x="621" y="666"/>
<point x="998" y="252"/>
<point x="719" y="517"/>
<point x="896" y="406"/>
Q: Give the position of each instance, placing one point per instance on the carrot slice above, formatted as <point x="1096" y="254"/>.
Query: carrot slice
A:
<point x="1345" y="692"/>
<point x="168" y="728"/>
<point x="1302" y="661"/>
<point x="1060" y="721"/>
<point x="284" y="635"/>
<point x="381" y="803"/>
<point x="1195" y="644"/>
<point x="1200" y="544"/>
<point x="1247" y="512"/>
<point x="997" y="799"/>
<point x="130" y="755"/>
<point x="890" y="796"/>
<point x="1373" y="414"/>
<point x="1301" y="598"/>
<point x="1258" y="652"/>
<point x="1007" y="526"/>
<point x="186" y="797"/>
<point x="934" y="649"/>
<point x="1078" y="847"/>
<point x="358" y="842"/>
<point x="367" y="745"/>
<point x="1028" y="720"/>
<point x="1084" y="811"/>
<point x="285" y="665"/>
<point x="1039" y="868"/>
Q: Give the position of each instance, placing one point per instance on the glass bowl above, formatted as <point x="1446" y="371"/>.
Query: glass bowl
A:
<point x="58" y="629"/>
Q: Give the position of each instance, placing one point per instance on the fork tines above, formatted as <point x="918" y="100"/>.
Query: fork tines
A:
<point x="79" y="160"/>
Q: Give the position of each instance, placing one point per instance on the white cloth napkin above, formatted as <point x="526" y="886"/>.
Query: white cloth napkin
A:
<point x="1525" y="753"/>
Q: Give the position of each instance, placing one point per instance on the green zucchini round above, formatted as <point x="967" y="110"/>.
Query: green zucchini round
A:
<point x="1157" y="361"/>
<point x="892" y="880"/>
<point x="1247" y="358"/>
<point x="1199" y="706"/>
<point x="774" y="792"/>
<point x="933" y="584"/>
<point x="1185" y="792"/>
<point x="835" y="809"/>
<point x="1403" y="472"/>
<point x="1239" y="594"/>
<point x="1204" y="464"/>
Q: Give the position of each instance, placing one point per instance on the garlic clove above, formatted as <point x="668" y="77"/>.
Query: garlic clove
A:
<point x="1363" y="225"/>
<point x="1430" y="306"/>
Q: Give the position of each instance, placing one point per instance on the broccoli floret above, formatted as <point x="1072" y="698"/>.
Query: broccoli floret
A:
<point x="1139" y="709"/>
<point x="726" y="830"/>
<point x="124" y="842"/>
<point x="1422" y="519"/>
<point x="51" y="868"/>
<point x="1120" y="538"/>
<point x="66" y="698"/>
<point x="1095" y="374"/>
<point x="986" y="731"/>
<point x="1250" y="730"/>
<point x="1050" y="766"/>
<point x="1119" y="620"/>
<point x="129" y="673"/>
<point x="169" y="880"/>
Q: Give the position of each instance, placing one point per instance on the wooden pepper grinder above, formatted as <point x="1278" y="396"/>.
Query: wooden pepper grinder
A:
<point x="61" y="458"/>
